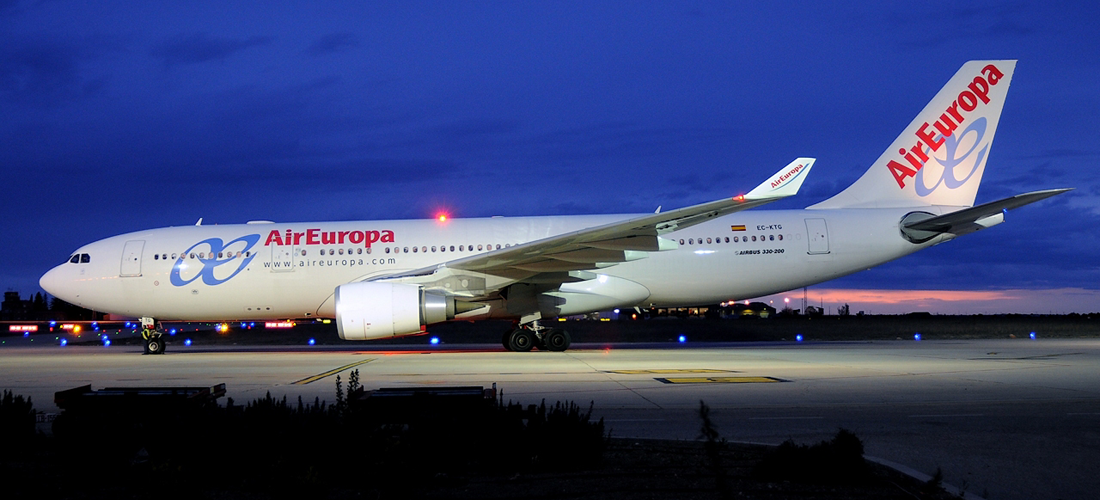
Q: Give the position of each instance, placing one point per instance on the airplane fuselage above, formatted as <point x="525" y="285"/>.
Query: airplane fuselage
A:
<point x="268" y="270"/>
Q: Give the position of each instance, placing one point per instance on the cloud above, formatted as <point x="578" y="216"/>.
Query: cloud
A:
<point x="200" y="48"/>
<point x="46" y="71"/>
<point x="332" y="43"/>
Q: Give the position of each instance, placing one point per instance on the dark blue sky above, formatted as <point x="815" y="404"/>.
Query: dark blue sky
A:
<point x="125" y="116"/>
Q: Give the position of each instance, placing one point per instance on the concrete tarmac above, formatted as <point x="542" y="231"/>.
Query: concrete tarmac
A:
<point x="1003" y="419"/>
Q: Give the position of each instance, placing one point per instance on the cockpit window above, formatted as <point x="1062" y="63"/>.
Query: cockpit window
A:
<point x="85" y="258"/>
<point x="75" y="259"/>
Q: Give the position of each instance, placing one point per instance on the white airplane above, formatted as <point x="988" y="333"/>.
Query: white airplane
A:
<point x="382" y="279"/>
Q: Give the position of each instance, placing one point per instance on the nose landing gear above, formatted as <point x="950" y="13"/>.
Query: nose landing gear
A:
<point x="154" y="339"/>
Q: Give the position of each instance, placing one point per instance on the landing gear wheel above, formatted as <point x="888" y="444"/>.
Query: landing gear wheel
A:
<point x="155" y="344"/>
<point x="557" y="340"/>
<point x="521" y="340"/>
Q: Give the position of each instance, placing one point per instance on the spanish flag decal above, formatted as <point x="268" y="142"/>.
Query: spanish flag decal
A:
<point x="737" y="228"/>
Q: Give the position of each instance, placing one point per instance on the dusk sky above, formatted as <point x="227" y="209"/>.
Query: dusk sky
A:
<point x="121" y="116"/>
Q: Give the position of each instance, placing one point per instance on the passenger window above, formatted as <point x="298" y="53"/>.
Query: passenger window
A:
<point x="479" y="248"/>
<point x="387" y="249"/>
<point x="433" y="248"/>
<point x="461" y="248"/>
<point x="708" y="241"/>
<point x="424" y="249"/>
<point x="85" y="258"/>
<point x="498" y="246"/>
<point x="681" y="241"/>
<point x="691" y="241"/>
<point x="727" y="239"/>
<point x="175" y="255"/>
<point x="452" y="248"/>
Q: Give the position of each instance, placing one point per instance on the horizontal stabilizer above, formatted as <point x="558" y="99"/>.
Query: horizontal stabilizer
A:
<point x="969" y="216"/>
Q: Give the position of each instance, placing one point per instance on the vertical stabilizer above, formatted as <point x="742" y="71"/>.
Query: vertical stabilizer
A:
<point x="940" y="157"/>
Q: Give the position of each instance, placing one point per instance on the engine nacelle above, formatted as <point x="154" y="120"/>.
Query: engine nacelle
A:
<point x="369" y="310"/>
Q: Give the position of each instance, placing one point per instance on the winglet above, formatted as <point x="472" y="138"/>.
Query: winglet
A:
<point x="785" y="182"/>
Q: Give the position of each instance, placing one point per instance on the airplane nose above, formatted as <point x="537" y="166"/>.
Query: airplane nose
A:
<point x="52" y="282"/>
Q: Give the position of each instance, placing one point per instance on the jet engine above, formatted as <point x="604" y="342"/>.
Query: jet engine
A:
<point x="369" y="310"/>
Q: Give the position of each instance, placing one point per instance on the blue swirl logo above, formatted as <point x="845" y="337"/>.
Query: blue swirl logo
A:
<point x="952" y="160"/>
<point x="211" y="260"/>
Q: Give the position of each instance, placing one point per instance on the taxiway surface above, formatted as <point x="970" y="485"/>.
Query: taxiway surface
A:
<point x="1004" y="419"/>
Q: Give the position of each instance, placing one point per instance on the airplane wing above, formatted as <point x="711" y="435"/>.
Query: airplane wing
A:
<point x="565" y="257"/>
<point x="965" y="219"/>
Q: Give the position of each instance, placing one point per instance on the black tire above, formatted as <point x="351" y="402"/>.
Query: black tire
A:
<point x="521" y="340"/>
<point x="506" y="339"/>
<point x="154" y="345"/>
<point x="557" y="340"/>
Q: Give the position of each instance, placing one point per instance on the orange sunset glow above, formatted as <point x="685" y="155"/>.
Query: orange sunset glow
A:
<point x="878" y="301"/>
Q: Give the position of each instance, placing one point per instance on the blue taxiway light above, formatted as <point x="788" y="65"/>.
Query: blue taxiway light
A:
<point x="798" y="337"/>
<point x="106" y="343"/>
<point x="64" y="342"/>
<point x="1032" y="335"/>
<point x="26" y="334"/>
<point x="312" y="342"/>
<point x="916" y="337"/>
<point x="187" y="342"/>
<point x="683" y="338"/>
<point x="434" y="340"/>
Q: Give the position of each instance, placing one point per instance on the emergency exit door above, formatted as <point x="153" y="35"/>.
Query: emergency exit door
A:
<point x="818" y="236"/>
<point x="131" y="258"/>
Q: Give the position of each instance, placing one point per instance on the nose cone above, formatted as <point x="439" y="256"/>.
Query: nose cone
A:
<point x="53" y="282"/>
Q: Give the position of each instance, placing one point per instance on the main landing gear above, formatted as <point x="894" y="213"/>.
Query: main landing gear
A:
<point x="523" y="338"/>
<point x="154" y="339"/>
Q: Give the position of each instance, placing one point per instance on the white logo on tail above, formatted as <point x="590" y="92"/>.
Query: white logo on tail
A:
<point x="942" y="135"/>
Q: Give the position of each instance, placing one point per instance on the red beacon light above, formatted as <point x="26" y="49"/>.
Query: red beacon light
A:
<point x="442" y="217"/>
